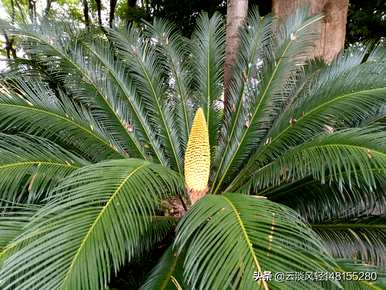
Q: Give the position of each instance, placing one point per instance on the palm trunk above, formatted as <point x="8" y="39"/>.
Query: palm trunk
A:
<point x="236" y="13"/>
<point x="332" y="30"/>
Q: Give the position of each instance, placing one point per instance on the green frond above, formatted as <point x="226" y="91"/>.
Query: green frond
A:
<point x="254" y="36"/>
<point x="338" y="99"/>
<point x="31" y="107"/>
<point x="145" y="68"/>
<point x="229" y="237"/>
<point x="13" y="220"/>
<point x="366" y="281"/>
<point x="350" y="157"/>
<point x="168" y="274"/>
<point x="318" y="203"/>
<point x="316" y="75"/>
<point x="117" y="74"/>
<point x="362" y="239"/>
<point x="31" y="166"/>
<point x="174" y="49"/>
<point x="278" y="67"/>
<point x="97" y="219"/>
<point x="207" y="56"/>
<point x="378" y="54"/>
<point x="83" y="78"/>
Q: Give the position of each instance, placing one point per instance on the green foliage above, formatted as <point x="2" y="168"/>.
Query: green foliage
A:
<point x="366" y="21"/>
<point x="99" y="216"/>
<point x="93" y="131"/>
<point x="255" y="235"/>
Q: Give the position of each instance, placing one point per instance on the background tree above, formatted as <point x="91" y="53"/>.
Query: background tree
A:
<point x="366" y="21"/>
<point x="333" y="28"/>
<point x="237" y="11"/>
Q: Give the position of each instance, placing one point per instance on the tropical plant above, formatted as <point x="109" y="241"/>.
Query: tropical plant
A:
<point x="110" y="143"/>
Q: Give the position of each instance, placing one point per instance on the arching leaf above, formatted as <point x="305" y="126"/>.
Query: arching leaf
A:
<point x="168" y="274"/>
<point x="229" y="237"/>
<point x="97" y="220"/>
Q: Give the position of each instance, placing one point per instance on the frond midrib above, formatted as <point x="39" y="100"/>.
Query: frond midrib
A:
<point x="169" y="274"/>
<point x="347" y="226"/>
<point x="18" y="164"/>
<point x="246" y="239"/>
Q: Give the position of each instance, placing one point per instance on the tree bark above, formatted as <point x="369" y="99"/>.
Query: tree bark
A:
<point x="332" y="29"/>
<point x="85" y="13"/>
<point x="113" y="4"/>
<point x="237" y="11"/>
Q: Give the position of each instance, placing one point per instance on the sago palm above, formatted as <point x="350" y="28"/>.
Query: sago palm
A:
<point x="111" y="142"/>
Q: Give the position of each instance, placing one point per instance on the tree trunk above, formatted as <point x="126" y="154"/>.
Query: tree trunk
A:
<point x="99" y="11"/>
<point x="236" y="12"/>
<point x="48" y="7"/>
<point x="113" y="4"/>
<point x="85" y="13"/>
<point x="32" y="10"/>
<point x="11" y="51"/>
<point x="332" y="29"/>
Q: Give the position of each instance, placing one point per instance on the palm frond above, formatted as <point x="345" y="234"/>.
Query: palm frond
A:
<point x="339" y="98"/>
<point x="364" y="276"/>
<point x="318" y="202"/>
<point x="350" y="157"/>
<point x="83" y="77"/>
<point x="362" y="239"/>
<point x="13" y="219"/>
<point x="168" y="274"/>
<point x="146" y="70"/>
<point x="280" y="65"/>
<point x="207" y="54"/>
<point x="316" y="75"/>
<point x="29" y="106"/>
<point x="31" y="166"/>
<point x="229" y="237"/>
<point x="174" y="49"/>
<point x="96" y="220"/>
<point x="253" y="38"/>
<point x="136" y="114"/>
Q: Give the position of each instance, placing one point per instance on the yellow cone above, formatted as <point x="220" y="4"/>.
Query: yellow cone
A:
<point x="197" y="158"/>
